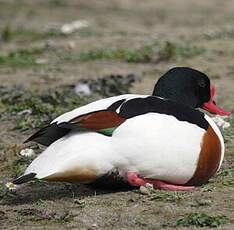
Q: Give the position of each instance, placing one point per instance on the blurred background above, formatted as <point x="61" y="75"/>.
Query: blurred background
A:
<point x="56" y="55"/>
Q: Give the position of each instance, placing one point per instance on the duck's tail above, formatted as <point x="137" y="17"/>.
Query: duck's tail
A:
<point x="24" y="178"/>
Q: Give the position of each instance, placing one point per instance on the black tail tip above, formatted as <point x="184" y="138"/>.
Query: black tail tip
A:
<point x="24" y="178"/>
<point x="26" y="141"/>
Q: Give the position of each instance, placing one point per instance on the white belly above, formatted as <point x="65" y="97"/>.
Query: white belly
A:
<point x="158" y="146"/>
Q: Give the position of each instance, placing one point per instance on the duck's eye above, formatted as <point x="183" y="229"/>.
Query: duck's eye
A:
<point x="202" y="83"/>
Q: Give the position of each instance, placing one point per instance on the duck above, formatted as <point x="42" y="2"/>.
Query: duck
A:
<point x="160" y="139"/>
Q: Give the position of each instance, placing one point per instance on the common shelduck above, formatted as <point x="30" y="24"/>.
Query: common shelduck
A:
<point x="160" y="139"/>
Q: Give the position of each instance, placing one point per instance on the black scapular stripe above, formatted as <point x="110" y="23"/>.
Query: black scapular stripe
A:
<point x="140" y="106"/>
<point x="116" y="105"/>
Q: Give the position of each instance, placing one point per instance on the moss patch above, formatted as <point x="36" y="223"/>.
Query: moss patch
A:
<point x="202" y="220"/>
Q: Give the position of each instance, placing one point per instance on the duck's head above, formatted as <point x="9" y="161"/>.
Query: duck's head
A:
<point x="190" y="87"/>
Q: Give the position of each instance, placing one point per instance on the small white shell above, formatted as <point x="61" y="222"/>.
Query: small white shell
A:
<point x="82" y="89"/>
<point x="219" y="121"/>
<point x="27" y="152"/>
<point x="73" y="26"/>
<point x="11" y="186"/>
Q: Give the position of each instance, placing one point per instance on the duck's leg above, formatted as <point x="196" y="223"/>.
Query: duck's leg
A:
<point x="134" y="180"/>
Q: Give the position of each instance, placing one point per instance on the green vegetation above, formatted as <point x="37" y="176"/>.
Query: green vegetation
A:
<point x="149" y="53"/>
<point x="6" y="34"/>
<point x="201" y="203"/>
<point x="143" y="54"/>
<point x="171" y="50"/>
<point x="160" y="195"/>
<point x="152" y="53"/>
<point x="224" y="33"/>
<point x="225" y="177"/>
<point x="80" y="203"/>
<point x="167" y="196"/>
<point x="228" y="133"/>
<point x="24" y="35"/>
<point x="226" y="172"/>
<point x="18" y="166"/>
<point x="202" y="220"/>
<point x="2" y="191"/>
<point x="57" y="3"/>
<point x="22" y="57"/>
<point x="34" y="214"/>
<point x="32" y="110"/>
<point x="111" y="85"/>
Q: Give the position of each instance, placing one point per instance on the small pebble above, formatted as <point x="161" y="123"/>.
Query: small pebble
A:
<point x="41" y="61"/>
<point x="71" y="44"/>
<point x="25" y="111"/>
<point x="82" y="89"/>
<point x="146" y="189"/>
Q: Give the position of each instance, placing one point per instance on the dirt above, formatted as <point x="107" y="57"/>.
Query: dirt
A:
<point x="128" y="24"/>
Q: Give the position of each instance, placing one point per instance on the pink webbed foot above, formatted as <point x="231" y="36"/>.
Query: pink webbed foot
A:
<point x="134" y="180"/>
<point x="165" y="186"/>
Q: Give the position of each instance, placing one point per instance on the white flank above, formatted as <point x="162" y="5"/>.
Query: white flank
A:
<point x="94" y="106"/>
<point x="76" y="150"/>
<point x="158" y="146"/>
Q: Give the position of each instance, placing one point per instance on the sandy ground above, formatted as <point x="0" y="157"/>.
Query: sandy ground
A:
<point x="114" y="23"/>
